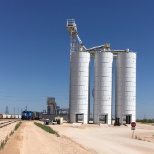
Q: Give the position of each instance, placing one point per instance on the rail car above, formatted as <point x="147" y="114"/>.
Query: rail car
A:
<point x="9" y="116"/>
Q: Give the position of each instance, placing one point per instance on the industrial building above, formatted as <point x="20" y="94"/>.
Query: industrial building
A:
<point x="125" y="88"/>
<point x="53" y="110"/>
<point x="51" y="105"/>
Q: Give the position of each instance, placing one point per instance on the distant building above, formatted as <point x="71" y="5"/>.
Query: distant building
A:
<point x="51" y="105"/>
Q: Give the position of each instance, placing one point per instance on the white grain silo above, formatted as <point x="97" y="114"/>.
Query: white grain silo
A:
<point x="79" y="86"/>
<point x="102" y="86"/>
<point x="126" y="87"/>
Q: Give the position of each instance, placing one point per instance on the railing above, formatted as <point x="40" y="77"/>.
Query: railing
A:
<point x="70" y="22"/>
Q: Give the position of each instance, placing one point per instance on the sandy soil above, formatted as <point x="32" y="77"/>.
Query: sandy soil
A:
<point x="84" y="139"/>
<point x="4" y="131"/>
<point x="109" y="140"/>
<point x="1" y="121"/>
<point x="14" y="142"/>
<point x="145" y="132"/>
<point x="31" y="139"/>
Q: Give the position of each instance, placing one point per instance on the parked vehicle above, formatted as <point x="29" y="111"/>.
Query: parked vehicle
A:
<point x="54" y="122"/>
<point x="46" y="121"/>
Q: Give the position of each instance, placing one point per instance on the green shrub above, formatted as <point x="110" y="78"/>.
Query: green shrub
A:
<point x="3" y="142"/>
<point x="101" y="119"/>
<point x="145" y="120"/>
<point x="47" y="128"/>
<point x="6" y="139"/>
<point x="17" y="125"/>
<point x="11" y="133"/>
<point x="1" y="145"/>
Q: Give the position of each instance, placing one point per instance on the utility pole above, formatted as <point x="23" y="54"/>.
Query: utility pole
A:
<point x="7" y="110"/>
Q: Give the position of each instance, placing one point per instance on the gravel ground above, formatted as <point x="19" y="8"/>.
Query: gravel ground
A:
<point x="84" y="139"/>
<point x="109" y="139"/>
<point x="36" y="140"/>
<point x="30" y="139"/>
<point x="1" y="121"/>
<point x="4" y="131"/>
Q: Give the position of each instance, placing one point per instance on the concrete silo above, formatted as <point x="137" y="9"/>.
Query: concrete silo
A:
<point x="79" y="86"/>
<point x="102" y="86"/>
<point x="126" y="87"/>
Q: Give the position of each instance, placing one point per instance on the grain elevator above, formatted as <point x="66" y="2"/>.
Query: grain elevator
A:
<point x="125" y="82"/>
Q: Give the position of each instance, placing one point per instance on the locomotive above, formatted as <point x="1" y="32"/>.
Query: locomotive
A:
<point x="30" y="115"/>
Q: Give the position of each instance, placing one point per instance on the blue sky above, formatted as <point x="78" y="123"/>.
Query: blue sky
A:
<point x="34" y="47"/>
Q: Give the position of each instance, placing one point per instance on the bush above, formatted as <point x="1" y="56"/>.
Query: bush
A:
<point x="3" y="142"/>
<point x="11" y="133"/>
<point x="145" y="120"/>
<point x="2" y="145"/>
<point x="47" y="128"/>
<point x="101" y="119"/>
<point x="17" y="125"/>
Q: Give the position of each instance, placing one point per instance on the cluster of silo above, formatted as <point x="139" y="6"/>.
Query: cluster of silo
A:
<point x="125" y="99"/>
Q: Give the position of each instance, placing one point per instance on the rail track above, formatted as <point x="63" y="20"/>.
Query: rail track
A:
<point x="6" y="123"/>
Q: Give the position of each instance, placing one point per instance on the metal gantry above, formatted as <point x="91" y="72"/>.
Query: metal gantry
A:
<point x="76" y="44"/>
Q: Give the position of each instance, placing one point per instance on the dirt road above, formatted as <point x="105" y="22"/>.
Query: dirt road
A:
<point x="31" y="139"/>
